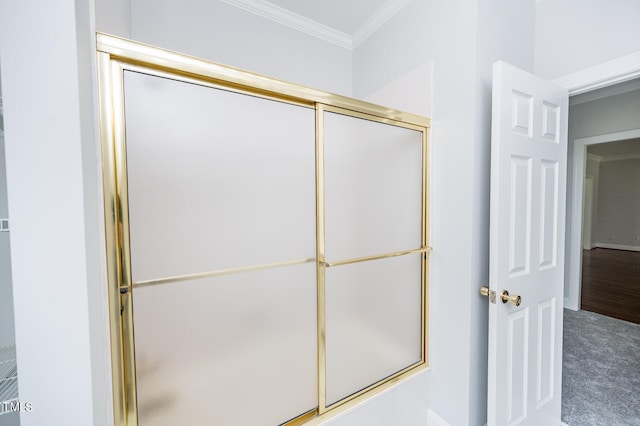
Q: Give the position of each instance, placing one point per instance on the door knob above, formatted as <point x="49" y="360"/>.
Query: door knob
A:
<point x="513" y="299"/>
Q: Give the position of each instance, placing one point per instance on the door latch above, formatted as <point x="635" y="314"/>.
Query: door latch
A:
<point x="484" y="291"/>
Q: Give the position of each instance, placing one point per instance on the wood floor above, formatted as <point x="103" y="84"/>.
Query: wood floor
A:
<point x="611" y="283"/>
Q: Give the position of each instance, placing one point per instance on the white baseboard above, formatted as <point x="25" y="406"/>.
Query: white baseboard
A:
<point x="435" y="420"/>
<point x="569" y="305"/>
<point x="616" y="246"/>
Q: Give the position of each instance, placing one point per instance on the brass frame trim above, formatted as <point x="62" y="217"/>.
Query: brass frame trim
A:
<point x="367" y="393"/>
<point x="112" y="221"/>
<point x="366" y="390"/>
<point x="365" y="115"/>
<point x="161" y="59"/>
<point x="126" y="309"/>
<point x="320" y="267"/>
<point x="217" y="273"/>
<point x="303" y="419"/>
<point x="115" y="55"/>
<point x="218" y="84"/>
<point x="425" y="243"/>
<point x="325" y="411"/>
<point x="375" y="257"/>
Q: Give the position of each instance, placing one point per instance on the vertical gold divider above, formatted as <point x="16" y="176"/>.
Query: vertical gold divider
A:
<point x="320" y="257"/>
<point x="111" y="236"/>
<point x="117" y="74"/>
<point x="425" y="243"/>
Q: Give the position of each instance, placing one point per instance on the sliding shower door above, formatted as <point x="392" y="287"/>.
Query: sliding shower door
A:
<point x="221" y="203"/>
<point x="267" y="243"/>
<point x="373" y="185"/>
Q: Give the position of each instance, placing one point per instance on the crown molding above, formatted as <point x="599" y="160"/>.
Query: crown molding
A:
<point x="620" y="157"/>
<point x="606" y="74"/>
<point x="386" y="12"/>
<point x="613" y="157"/>
<point x="298" y="22"/>
<point x="285" y="17"/>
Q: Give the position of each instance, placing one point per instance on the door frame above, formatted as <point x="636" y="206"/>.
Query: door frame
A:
<point x="587" y="215"/>
<point x="602" y="75"/>
<point x="574" y="283"/>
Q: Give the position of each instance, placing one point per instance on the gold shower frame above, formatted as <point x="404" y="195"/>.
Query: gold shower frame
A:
<point x="115" y="55"/>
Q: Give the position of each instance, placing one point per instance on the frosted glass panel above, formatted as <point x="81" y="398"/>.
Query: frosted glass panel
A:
<point x="232" y="350"/>
<point x="373" y="187"/>
<point x="216" y="179"/>
<point x="373" y="322"/>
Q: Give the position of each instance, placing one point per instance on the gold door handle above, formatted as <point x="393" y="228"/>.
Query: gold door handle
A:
<point x="513" y="299"/>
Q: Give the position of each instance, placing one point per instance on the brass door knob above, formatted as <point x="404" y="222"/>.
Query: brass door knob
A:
<point x="513" y="299"/>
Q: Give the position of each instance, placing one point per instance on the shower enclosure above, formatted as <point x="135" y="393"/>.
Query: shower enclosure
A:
<point x="267" y="243"/>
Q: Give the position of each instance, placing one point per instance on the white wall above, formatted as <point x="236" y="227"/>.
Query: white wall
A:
<point x="572" y="35"/>
<point x="618" y="222"/>
<point x="607" y="115"/>
<point x="222" y="33"/>
<point x="113" y="17"/>
<point x="47" y="50"/>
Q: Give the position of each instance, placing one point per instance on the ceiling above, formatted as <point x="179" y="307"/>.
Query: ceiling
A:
<point x="345" y="16"/>
<point x="630" y="146"/>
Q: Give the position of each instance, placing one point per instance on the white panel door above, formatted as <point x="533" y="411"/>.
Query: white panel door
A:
<point x="528" y="185"/>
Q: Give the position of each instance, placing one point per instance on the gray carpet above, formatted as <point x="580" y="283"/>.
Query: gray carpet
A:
<point x="600" y="371"/>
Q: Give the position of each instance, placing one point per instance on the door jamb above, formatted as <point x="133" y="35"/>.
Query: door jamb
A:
<point x="572" y="299"/>
<point x="587" y="225"/>
<point x="606" y="74"/>
<point x="602" y="75"/>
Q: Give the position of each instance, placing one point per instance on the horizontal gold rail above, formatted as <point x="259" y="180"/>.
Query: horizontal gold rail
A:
<point x="375" y="257"/>
<point x="390" y="380"/>
<point x="368" y="392"/>
<point x="302" y="419"/>
<point x="190" y="277"/>
<point x="139" y="53"/>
